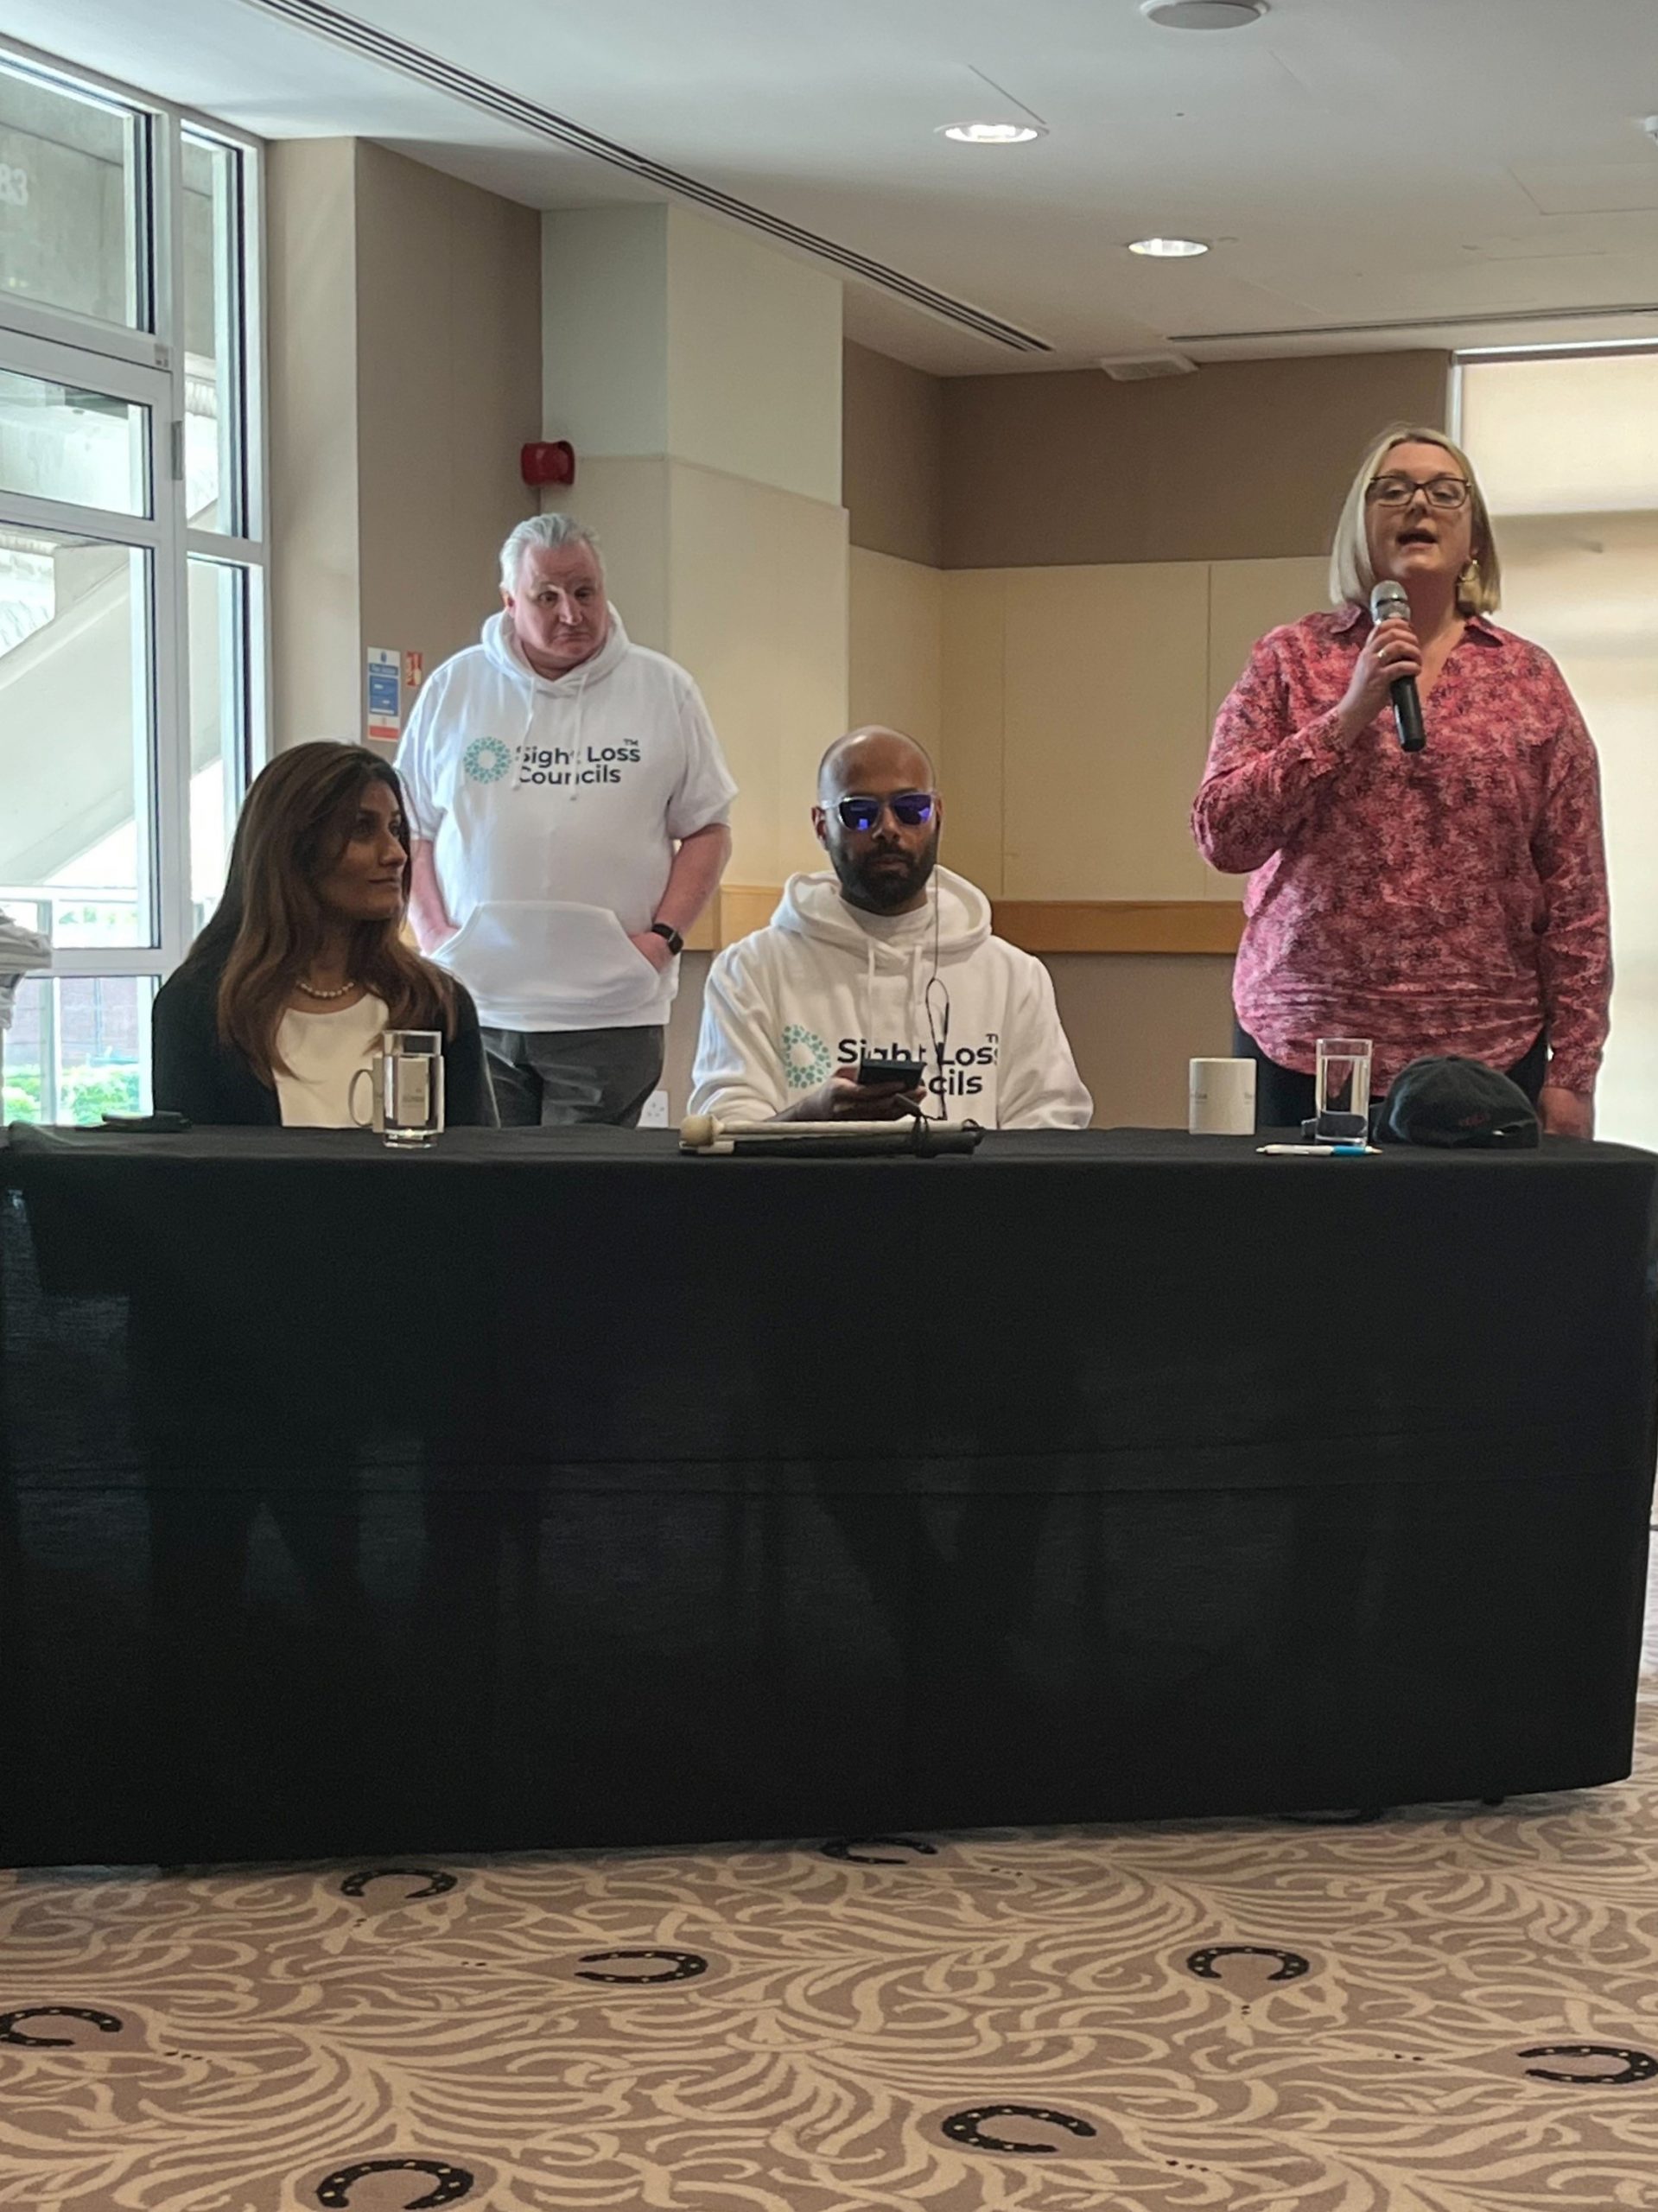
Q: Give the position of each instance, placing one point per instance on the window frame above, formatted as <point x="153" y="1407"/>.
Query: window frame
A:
<point x="148" y="366"/>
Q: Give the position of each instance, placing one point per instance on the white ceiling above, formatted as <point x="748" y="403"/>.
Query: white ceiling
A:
<point x="1355" y="162"/>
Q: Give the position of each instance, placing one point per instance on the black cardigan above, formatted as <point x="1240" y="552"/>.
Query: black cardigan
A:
<point x="198" y="1075"/>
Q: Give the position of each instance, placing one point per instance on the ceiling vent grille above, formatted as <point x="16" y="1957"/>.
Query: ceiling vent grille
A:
<point x="376" y="45"/>
<point x="1472" y="318"/>
<point x="1140" y="368"/>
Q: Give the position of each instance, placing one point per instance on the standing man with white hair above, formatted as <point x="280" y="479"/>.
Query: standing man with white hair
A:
<point x="568" y="804"/>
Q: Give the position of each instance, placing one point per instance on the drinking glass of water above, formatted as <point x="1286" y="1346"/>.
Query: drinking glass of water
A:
<point x="405" y="1080"/>
<point x="1342" y="1091"/>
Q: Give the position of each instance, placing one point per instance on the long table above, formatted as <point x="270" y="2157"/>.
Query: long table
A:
<point x="555" y="1489"/>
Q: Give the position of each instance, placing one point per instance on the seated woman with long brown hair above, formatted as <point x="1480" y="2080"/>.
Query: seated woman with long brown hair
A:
<point x="284" y="996"/>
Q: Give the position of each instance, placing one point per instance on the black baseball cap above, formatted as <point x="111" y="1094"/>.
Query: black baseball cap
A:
<point x="1452" y="1101"/>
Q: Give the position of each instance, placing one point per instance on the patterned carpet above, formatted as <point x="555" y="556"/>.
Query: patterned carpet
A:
<point x="1450" y="2012"/>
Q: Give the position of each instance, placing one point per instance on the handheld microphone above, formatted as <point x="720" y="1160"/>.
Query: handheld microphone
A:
<point x="1388" y="600"/>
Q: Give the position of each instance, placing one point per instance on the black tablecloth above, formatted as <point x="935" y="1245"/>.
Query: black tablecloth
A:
<point x="552" y="1488"/>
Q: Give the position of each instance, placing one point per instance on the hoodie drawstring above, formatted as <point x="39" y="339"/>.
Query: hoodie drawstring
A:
<point x="584" y="675"/>
<point x="920" y="1018"/>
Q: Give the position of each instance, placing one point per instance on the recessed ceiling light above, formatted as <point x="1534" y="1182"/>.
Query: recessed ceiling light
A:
<point x="990" y="134"/>
<point x="1202" y="14"/>
<point x="1168" y="249"/>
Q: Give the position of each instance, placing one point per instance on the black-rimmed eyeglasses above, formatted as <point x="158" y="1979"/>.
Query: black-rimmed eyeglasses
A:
<point x="909" y="809"/>
<point x="1448" y="492"/>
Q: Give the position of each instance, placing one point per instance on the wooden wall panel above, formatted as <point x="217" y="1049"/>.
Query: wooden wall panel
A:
<point x="1246" y="600"/>
<point x="1180" y="925"/>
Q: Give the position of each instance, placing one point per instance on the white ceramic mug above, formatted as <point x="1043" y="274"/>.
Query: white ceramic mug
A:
<point x="1221" y="1098"/>
<point x="405" y="1080"/>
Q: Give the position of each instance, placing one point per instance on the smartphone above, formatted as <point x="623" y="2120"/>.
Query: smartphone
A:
<point x="907" y="1074"/>
<point x="164" y="1122"/>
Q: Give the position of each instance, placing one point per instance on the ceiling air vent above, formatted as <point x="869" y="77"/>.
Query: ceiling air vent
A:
<point x="1137" y="368"/>
<point x="1202" y="14"/>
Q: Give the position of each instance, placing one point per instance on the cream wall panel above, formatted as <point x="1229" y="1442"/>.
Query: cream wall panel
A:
<point x="775" y="680"/>
<point x="810" y="702"/>
<point x="604" y="286"/>
<point x="626" y="503"/>
<point x="719" y="558"/>
<point x="1106" y="673"/>
<point x="896" y="647"/>
<point x="316" y="532"/>
<point x="1248" y="597"/>
<point x="1135" y="1021"/>
<point x="754" y="360"/>
<point x="975" y="733"/>
<point x="1246" y="600"/>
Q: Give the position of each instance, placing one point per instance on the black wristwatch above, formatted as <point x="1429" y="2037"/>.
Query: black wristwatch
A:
<point x="675" y="944"/>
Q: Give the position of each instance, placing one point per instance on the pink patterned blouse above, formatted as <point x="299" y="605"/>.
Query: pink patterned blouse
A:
<point x="1451" y="901"/>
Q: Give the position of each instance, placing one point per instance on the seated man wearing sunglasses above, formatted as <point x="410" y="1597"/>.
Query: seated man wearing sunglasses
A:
<point x="877" y="990"/>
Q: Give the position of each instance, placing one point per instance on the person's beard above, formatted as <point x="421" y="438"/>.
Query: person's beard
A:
<point x="884" y="889"/>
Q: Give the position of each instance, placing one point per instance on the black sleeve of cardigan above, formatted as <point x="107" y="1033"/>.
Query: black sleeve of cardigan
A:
<point x="185" y="1062"/>
<point x="468" y="1094"/>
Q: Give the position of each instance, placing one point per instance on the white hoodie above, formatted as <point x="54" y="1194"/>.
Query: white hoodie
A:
<point x="827" y="982"/>
<point x="552" y="806"/>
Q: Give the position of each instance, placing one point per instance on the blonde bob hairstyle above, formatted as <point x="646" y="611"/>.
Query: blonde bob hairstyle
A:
<point x="1351" y="576"/>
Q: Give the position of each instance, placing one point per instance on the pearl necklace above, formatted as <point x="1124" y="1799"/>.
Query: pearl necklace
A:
<point x="311" y="992"/>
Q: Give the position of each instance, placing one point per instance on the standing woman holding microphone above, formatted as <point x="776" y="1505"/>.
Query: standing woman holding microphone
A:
<point x="1447" y="900"/>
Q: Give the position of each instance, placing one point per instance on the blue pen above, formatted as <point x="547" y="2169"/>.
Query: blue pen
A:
<point x="1318" y="1151"/>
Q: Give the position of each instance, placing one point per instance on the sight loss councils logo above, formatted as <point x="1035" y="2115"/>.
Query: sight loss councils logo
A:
<point x="805" y="1057"/>
<point x="487" y="760"/>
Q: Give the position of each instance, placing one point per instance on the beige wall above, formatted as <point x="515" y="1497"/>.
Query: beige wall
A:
<point x="892" y="456"/>
<point x="316" y="634"/>
<point x="605" y="330"/>
<point x="759" y="615"/>
<point x="1242" y="460"/>
<point x="755" y="347"/>
<point x="1100" y="683"/>
<point x="449" y="381"/>
<point x="405" y="375"/>
<point x="1133" y="1021"/>
<point x="895" y="670"/>
<point x="1077" y="707"/>
<point x="709" y="463"/>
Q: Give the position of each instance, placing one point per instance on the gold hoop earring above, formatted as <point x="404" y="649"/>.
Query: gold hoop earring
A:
<point x="1468" y="590"/>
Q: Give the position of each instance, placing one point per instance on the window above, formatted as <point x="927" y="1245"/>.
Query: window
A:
<point x="1567" y="450"/>
<point x="132" y="565"/>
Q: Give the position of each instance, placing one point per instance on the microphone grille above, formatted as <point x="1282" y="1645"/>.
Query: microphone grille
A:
<point x="1388" y="598"/>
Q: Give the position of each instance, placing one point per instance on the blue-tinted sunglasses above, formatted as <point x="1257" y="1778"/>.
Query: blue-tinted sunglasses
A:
<point x="911" y="809"/>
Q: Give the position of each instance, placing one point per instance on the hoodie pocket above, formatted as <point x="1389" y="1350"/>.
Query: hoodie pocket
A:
<point x="552" y="954"/>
